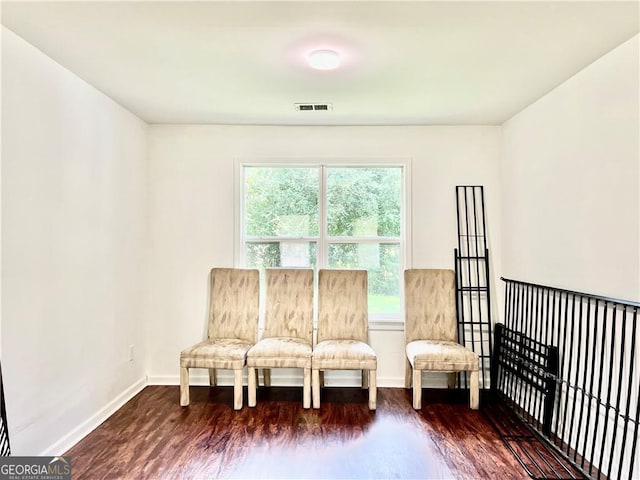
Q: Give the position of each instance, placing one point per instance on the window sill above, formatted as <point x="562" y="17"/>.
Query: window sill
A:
<point x="386" y="325"/>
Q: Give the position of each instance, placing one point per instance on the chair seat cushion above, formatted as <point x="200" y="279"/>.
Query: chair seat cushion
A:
<point x="343" y="355"/>
<point x="228" y="353"/>
<point x="280" y="352"/>
<point x="444" y="356"/>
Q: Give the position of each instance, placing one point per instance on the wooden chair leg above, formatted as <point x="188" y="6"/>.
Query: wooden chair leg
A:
<point x="306" y="388"/>
<point x="252" y="374"/>
<point x="321" y="378"/>
<point x="373" y="391"/>
<point x="364" y="382"/>
<point x="474" y="390"/>
<point x="407" y="373"/>
<point x="451" y="379"/>
<point x="266" y="377"/>
<point x="237" y="389"/>
<point x="315" y="387"/>
<point x="417" y="389"/>
<point x="213" y="377"/>
<point x="184" y="386"/>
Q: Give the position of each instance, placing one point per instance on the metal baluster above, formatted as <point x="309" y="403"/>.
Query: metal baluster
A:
<point x="628" y="406"/>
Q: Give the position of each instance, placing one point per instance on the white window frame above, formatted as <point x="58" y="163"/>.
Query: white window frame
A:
<point x="380" y="321"/>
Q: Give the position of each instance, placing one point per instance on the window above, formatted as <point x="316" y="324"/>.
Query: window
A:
<point x="328" y="216"/>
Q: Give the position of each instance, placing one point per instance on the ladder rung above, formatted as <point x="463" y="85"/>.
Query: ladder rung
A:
<point x="467" y="257"/>
<point x="473" y="289"/>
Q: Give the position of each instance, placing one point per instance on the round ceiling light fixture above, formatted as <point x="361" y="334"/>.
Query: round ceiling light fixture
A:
<point x="324" y="59"/>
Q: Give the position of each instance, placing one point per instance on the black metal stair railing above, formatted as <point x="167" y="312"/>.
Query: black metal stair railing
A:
<point x="568" y="365"/>
<point x="5" y="448"/>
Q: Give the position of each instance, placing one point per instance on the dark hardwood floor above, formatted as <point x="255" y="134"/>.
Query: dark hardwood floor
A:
<point x="153" y="437"/>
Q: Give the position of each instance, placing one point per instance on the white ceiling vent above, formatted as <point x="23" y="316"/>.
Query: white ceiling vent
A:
<point x="313" y="107"/>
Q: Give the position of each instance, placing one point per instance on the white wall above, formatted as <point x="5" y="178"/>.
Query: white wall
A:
<point x="192" y="218"/>
<point x="571" y="182"/>
<point x="74" y="243"/>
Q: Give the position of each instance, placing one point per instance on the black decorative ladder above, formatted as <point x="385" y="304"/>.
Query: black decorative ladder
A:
<point x="473" y="295"/>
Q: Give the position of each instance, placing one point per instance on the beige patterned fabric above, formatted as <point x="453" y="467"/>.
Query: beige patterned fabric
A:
<point x="434" y="355"/>
<point x="234" y="305"/>
<point x="288" y="329"/>
<point x="430" y="305"/>
<point x="289" y="303"/>
<point x="343" y="329"/>
<point x="344" y="355"/>
<point x="232" y="329"/>
<point x="342" y="305"/>
<point x="431" y="332"/>
<point x="227" y="353"/>
<point x="280" y="352"/>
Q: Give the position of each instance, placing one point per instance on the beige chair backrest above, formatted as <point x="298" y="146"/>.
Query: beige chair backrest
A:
<point x="234" y="304"/>
<point x="289" y="303"/>
<point x="430" y="305"/>
<point x="342" y="305"/>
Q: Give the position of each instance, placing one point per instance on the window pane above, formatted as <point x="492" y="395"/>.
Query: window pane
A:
<point x="281" y="254"/>
<point x="284" y="204"/>
<point x="281" y="201"/>
<point x="364" y="202"/>
<point x="382" y="261"/>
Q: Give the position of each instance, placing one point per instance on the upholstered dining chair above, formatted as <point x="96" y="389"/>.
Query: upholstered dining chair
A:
<point x="232" y="330"/>
<point x="431" y="332"/>
<point x="287" y="336"/>
<point x="343" y="329"/>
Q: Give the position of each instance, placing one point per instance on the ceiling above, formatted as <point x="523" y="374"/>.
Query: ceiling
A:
<point x="403" y="63"/>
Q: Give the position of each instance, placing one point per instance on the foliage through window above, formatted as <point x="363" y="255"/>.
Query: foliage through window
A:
<point x="328" y="217"/>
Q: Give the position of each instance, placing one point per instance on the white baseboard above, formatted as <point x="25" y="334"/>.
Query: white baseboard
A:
<point x="86" y="427"/>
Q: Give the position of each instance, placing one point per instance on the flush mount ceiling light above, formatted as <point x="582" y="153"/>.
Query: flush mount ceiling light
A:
<point x="324" y="59"/>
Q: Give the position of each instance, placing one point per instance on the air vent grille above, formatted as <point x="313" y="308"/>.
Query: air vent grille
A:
<point x="313" y="107"/>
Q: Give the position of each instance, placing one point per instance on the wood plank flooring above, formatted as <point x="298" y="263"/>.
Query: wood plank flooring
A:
<point x="152" y="437"/>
